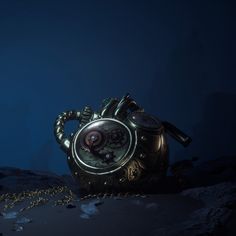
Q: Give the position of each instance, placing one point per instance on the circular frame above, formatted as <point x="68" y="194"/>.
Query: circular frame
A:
<point x="113" y="168"/>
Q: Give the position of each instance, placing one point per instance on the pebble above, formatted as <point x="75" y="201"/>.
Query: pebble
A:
<point x="17" y="228"/>
<point x="9" y="215"/>
<point x="70" y="206"/>
<point x="152" y="205"/>
<point x="23" y="220"/>
<point x="98" y="203"/>
<point x="89" y="208"/>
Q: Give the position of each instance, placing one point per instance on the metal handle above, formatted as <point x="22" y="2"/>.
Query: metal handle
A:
<point x="59" y="128"/>
<point x="177" y="134"/>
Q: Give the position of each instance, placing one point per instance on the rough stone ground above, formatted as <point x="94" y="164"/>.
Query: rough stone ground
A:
<point x="204" y="205"/>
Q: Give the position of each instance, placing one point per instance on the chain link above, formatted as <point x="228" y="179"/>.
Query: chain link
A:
<point x="12" y="199"/>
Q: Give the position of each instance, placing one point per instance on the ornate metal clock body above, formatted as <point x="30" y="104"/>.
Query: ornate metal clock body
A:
<point x="119" y="148"/>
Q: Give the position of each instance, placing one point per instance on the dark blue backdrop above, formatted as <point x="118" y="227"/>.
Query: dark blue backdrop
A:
<point x="176" y="58"/>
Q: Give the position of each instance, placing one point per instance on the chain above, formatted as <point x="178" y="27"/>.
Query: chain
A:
<point x="112" y="195"/>
<point x="37" y="197"/>
<point x="12" y="199"/>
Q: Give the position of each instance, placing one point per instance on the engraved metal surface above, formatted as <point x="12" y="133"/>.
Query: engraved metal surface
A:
<point x="117" y="148"/>
<point x="94" y="158"/>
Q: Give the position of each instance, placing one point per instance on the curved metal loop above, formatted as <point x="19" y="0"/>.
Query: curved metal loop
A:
<point x="59" y="127"/>
<point x="126" y="103"/>
<point x="108" y="109"/>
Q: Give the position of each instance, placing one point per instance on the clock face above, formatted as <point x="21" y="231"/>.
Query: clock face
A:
<point x="102" y="146"/>
<point x="145" y="121"/>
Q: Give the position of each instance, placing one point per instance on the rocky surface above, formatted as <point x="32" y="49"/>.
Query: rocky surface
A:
<point x="17" y="180"/>
<point x="195" y="200"/>
<point x="219" y="201"/>
<point x="185" y="174"/>
<point x="211" y="172"/>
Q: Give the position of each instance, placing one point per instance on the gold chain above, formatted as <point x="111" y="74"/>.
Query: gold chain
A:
<point x="12" y="199"/>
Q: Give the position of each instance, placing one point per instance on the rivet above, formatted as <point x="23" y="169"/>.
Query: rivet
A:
<point x="142" y="155"/>
<point x="122" y="179"/>
<point x="143" y="138"/>
<point x="68" y="158"/>
<point x="76" y="173"/>
<point x="105" y="183"/>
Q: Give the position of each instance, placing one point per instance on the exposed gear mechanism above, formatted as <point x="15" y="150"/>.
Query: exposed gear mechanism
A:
<point x="116" y="138"/>
<point x="94" y="140"/>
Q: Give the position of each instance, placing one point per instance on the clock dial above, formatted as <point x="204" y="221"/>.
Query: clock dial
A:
<point x="102" y="145"/>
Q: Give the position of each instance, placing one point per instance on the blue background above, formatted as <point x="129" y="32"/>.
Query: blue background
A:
<point x="176" y="58"/>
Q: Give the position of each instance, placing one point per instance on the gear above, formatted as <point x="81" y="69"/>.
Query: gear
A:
<point x="116" y="138"/>
<point x="93" y="140"/>
<point x="86" y="115"/>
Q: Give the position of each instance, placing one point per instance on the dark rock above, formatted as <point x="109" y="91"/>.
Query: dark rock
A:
<point x="206" y="173"/>
<point x="17" y="180"/>
<point x="98" y="203"/>
<point x="179" y="167"/>
<point x="23" y="220"/>
<point x="186" y="175"/>
<point x="71" y="183"/>
<point x="213" y="183"/>
<point x="210" y="219"/>
<point x="17" y="228"/>
<point x="70" y="206"/>
<point x="216" y="213"/>
<point x="2" y="175"/>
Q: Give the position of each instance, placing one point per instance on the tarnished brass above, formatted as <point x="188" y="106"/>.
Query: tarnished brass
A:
<point x="117" y="148"/>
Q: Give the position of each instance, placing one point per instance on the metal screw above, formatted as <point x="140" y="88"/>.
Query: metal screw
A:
<point x="142" y="155"/>
<point x="143" y="138"/>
